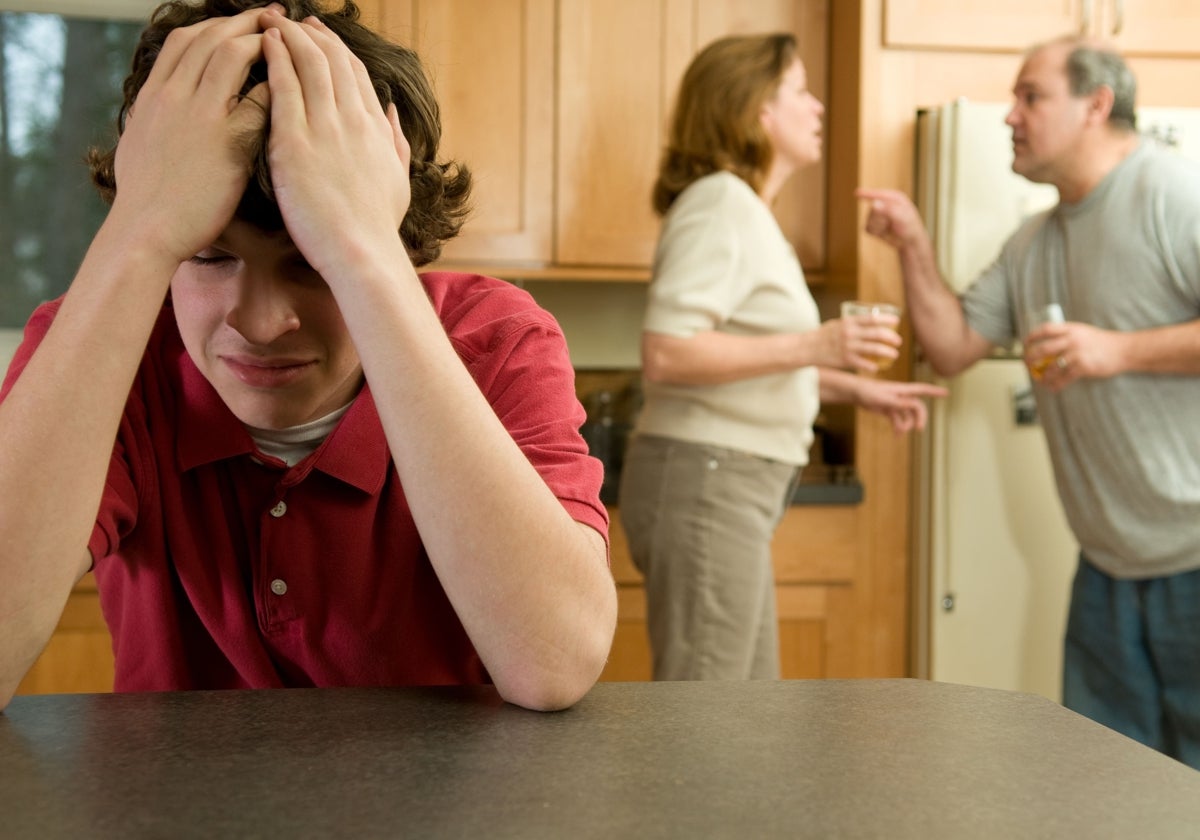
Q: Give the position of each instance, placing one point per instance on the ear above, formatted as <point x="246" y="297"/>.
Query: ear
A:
<point x="766" y="115"/>
<point x="1100" y="104"/>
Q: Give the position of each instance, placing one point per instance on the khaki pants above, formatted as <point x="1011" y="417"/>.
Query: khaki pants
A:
<point x="699" y="520"/>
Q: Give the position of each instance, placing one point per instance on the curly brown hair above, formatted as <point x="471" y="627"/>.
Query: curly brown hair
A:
<point x="440" y="190"/>
<point x="715" y="123"/>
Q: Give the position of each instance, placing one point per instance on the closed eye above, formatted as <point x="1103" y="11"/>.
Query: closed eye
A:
<point x="210" y="260"/>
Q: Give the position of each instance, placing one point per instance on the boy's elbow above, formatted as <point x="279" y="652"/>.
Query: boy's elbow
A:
<point x="561" y="681"/>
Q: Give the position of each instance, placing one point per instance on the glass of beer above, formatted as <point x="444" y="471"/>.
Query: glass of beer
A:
<point x="1051" y="313"/>
<point x="860" y="309"/>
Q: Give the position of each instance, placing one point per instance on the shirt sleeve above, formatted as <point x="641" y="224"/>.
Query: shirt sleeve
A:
<point x="527" y="377"/>
<point x="987" y="304"/>
<point x="1177" y="218"/>
<point x="696" y="284"/>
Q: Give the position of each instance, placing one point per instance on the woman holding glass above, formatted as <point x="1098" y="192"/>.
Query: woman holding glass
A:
<point x="735" y="364"/>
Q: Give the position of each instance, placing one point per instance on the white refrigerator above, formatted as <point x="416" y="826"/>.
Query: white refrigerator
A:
<point x="994" y="556"/>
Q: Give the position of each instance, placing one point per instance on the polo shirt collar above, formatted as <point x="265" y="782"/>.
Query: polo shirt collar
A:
<point x="356" y="451"/>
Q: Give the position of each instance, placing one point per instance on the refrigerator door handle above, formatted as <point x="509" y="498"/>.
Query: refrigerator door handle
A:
<point x="1024" y="407"/>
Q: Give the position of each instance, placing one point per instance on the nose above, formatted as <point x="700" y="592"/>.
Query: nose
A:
<point x="1011" y="119"/>
<point x="262" y="311"/>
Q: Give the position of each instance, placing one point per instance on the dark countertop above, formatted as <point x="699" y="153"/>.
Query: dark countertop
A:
<point x="820" y="484"/>
<point x="836" y="758"/>
<point x="828" y="484"/>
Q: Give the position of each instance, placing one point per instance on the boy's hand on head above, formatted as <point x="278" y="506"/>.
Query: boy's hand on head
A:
<point x="339" y="161"/>
<point x="183" y="138"/>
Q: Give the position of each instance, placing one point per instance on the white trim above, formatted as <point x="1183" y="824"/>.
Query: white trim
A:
<point x="136" y="10"/>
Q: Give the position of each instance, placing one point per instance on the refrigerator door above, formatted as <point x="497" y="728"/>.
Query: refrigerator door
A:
<point x="1000" y="556"/>
<point x="995" y="557"/>
<point x="970" y="198"/>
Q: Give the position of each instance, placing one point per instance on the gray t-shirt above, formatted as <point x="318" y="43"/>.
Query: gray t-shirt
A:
<point x="1126" y="450"/>
<point x="723" y="264"/>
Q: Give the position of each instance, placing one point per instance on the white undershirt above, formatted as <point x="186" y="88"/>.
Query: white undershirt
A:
<point x="293" y="444"/>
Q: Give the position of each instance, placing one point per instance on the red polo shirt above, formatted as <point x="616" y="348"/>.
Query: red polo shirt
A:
<point x="220" y="568"/>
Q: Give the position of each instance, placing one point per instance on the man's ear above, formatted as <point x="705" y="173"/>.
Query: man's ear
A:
<point x="1100" y="104"/>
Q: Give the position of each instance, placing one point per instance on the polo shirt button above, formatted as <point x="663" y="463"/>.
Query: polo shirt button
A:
<point x="279" y="587"/>
<point x="279" y="510"/>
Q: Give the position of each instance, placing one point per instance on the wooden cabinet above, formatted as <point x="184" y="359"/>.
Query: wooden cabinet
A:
<point x="561" y="108"/>
<point x="492" y="65"/>
<point x="79" y="657"/>
<point x="619" y="70"/>
<point x="815" y="552"/>
<point x="1137" y="27"/>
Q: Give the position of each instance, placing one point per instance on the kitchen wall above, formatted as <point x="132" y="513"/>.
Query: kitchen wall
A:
<point x="9" y="341"/>
<point x="601" y="320"/>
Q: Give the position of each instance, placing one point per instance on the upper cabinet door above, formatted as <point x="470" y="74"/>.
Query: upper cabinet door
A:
<point x="617" y="60"/>
<point x="1153" y="27"/>
<point x="492" y="65"/>
<point x="1137" y="27"/>
<point x="984" y="24"/>
<point x="560" y="108"/>
<point x="370" y="12"/>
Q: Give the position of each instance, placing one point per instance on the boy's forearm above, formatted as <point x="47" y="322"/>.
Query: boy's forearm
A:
<point x="58" y="424"/>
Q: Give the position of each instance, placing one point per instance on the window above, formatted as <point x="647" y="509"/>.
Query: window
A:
<point x="60" y="88"/>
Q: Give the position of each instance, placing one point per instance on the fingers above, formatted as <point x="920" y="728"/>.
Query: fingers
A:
<point x="325" y="69"/>
<point x="874" y="194"/>
<point x="287" y="98"/>
<point x="188" y="53"/>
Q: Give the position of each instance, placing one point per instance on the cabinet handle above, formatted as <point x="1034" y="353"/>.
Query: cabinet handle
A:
<point x="1119" y="18"/>
<point x="1085" y="18"/>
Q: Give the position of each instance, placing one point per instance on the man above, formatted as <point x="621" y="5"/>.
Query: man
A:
<point x="1119" y="401"/>
<point x="328" y="470"/>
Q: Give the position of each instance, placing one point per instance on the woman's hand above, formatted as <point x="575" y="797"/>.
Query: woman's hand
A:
<point x="903" y="403"/>
<point x="862" y="343"/>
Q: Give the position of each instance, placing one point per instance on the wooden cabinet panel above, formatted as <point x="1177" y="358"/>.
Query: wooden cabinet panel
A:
<point x="982" y="24"/>
<point x="1137" y="27"/>
<point x="492" y="65"/>
<point x="614" y="67"/>
<point x="79" y="657"/>
<point x="370" y="12"/>
<point x="1153" y="27"/>
<point x="814" y="551"/>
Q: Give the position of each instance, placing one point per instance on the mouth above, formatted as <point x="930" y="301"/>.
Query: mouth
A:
<point x="266" y="373"/>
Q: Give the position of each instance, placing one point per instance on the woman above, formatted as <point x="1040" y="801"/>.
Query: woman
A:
<point x="735" y="364"/>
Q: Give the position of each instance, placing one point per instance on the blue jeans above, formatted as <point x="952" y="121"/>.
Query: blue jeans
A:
<point x="1132" y="658"/>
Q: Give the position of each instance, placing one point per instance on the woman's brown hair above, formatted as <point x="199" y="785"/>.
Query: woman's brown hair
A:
<point x="440" y="190"/>
<point x="715" y="124"/>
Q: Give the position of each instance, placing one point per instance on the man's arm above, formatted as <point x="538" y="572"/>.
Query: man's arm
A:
<point x="937" y="316"/>
<point x="531" y="586"/>
<point x="60" y="419"/>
